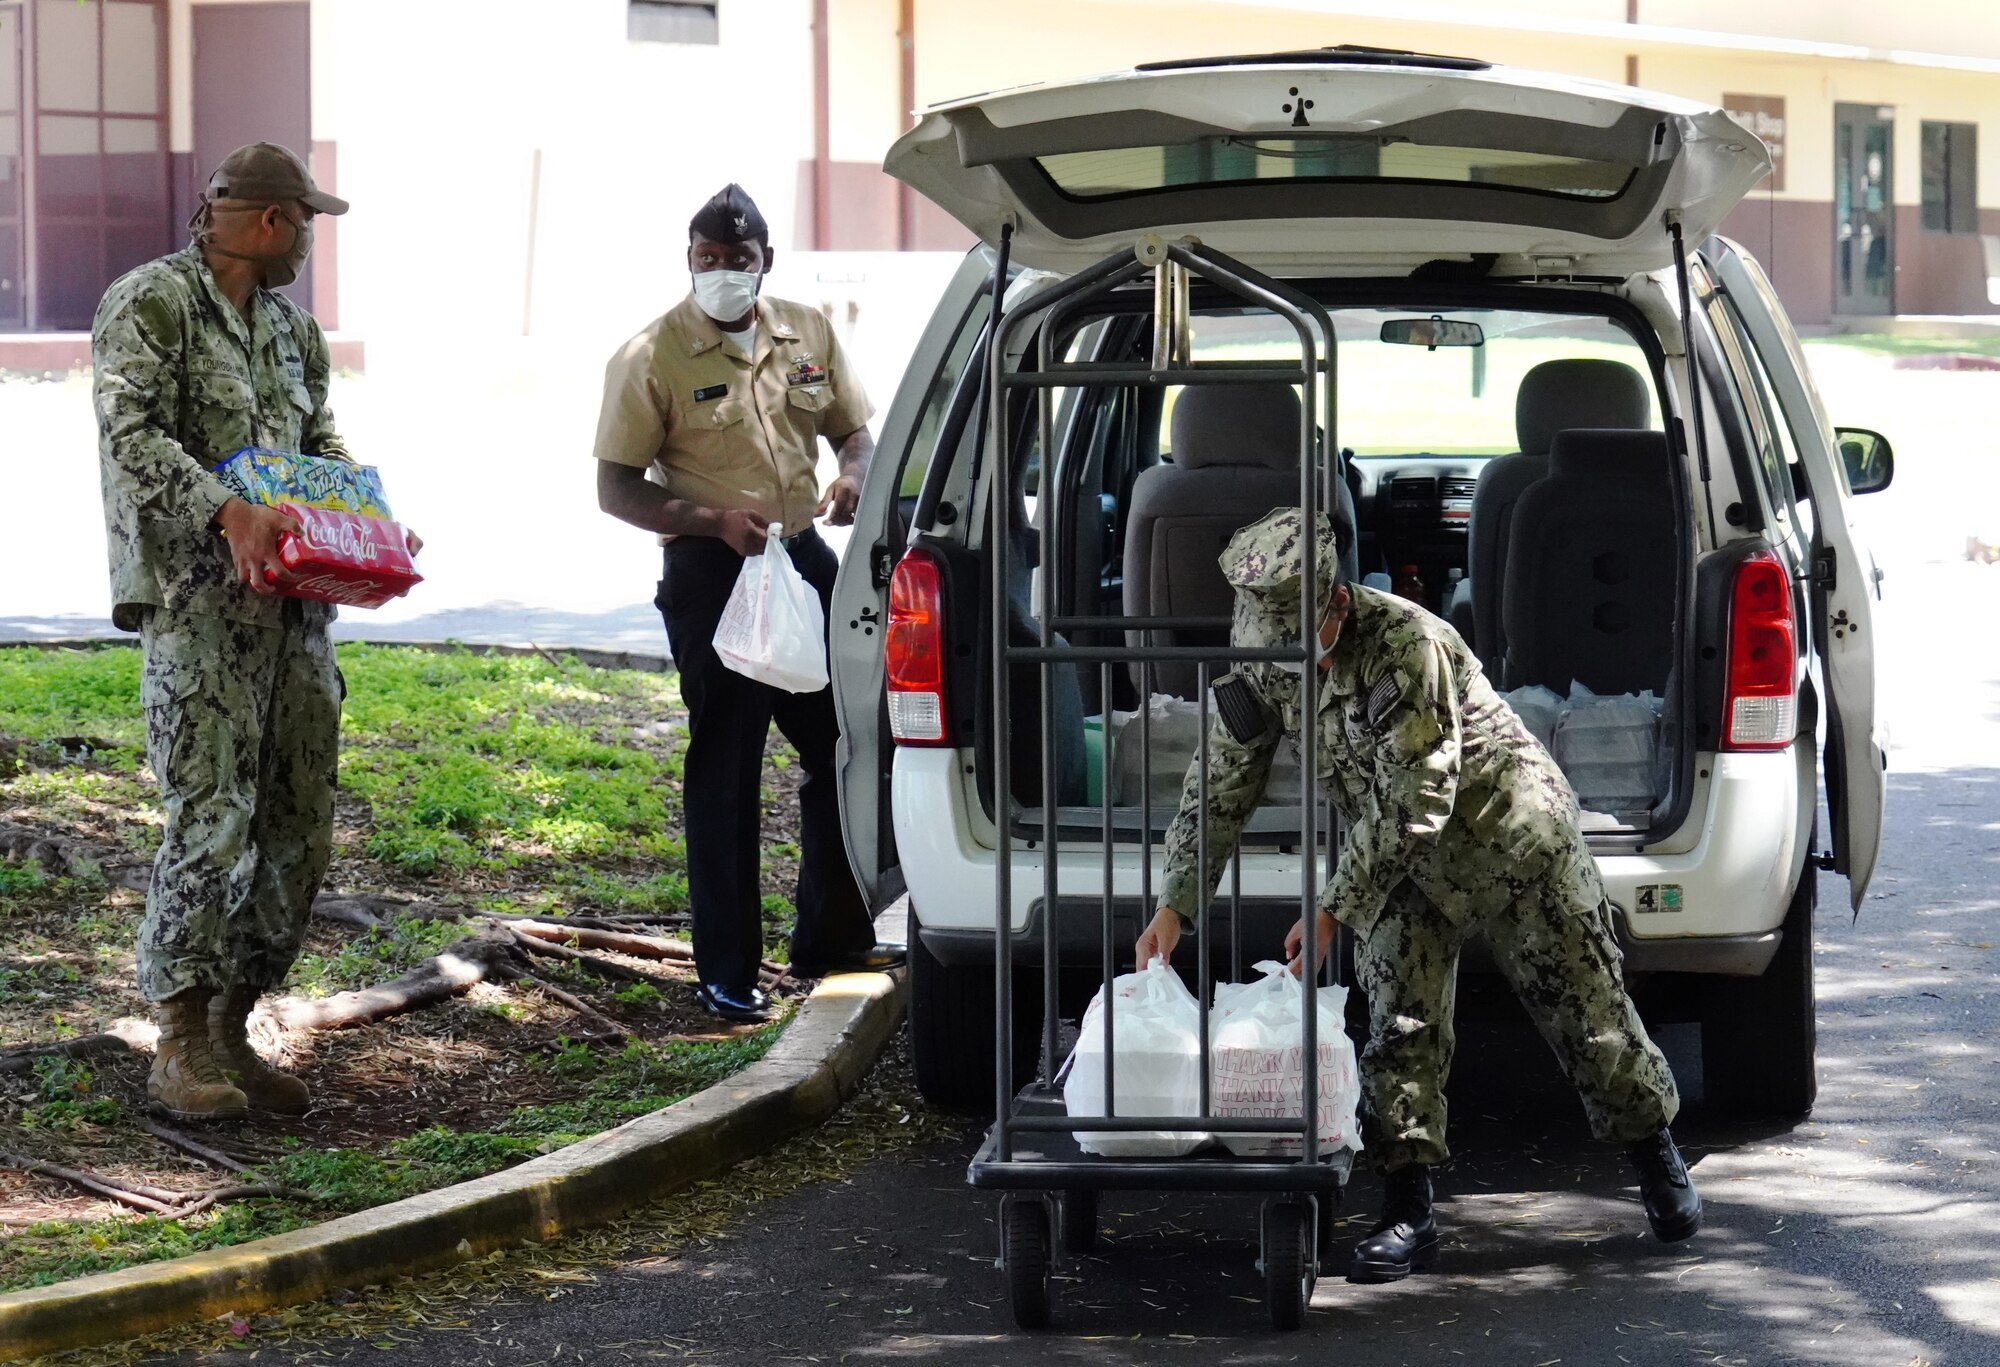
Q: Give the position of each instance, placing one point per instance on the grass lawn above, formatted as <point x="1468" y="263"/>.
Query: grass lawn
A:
<point x="470" y="783"/>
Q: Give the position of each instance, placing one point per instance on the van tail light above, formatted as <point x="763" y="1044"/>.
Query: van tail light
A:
<point x="1761" y="698"/>
<point x="914" y="652"/>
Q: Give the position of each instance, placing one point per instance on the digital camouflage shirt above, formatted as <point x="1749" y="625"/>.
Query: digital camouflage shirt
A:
<point x="1439" y="779"/>
<point x="182" y="383"/>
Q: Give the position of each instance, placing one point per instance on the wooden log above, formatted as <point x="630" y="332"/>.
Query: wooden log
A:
<point x="454" y="970"/>
<point x="22" y="1060"/>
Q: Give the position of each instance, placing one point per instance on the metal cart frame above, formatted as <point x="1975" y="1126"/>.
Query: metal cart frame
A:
<point x="1049" y="1185"/>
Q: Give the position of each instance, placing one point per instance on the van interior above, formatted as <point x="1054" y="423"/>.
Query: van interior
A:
<point x="1502" y="459"/>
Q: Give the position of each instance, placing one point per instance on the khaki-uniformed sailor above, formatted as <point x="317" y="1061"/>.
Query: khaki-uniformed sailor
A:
<point x="723" y="402"/>
<point x="197" y="356"/>
<point x="1460" y="823"/>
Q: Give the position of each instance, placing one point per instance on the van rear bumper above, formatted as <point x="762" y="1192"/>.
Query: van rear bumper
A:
<point x="1079" y="944"/>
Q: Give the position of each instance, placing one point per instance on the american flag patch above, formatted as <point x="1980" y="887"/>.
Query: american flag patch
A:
<point x="1381" y="698"/>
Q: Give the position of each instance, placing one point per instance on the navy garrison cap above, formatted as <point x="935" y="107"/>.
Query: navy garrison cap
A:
<point x="729" y="217"/>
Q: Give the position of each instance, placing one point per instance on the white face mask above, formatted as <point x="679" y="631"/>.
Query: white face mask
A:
<point x="726" y="296"/>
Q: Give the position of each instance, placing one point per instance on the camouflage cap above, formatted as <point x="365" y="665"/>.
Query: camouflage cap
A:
<point x="730" y="216"/>
<point x="1265" y="563"/>
<point x="266" y="173"/>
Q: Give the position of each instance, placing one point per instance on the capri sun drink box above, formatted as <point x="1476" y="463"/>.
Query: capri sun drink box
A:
<point x="350" y="549"/>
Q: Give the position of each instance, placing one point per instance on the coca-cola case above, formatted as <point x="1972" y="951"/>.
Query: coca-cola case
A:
<point x="345" y="558"/>
<point x="350" y="549"/>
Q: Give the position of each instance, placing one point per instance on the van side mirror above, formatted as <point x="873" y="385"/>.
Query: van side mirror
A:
<point x="1869" y="462"/>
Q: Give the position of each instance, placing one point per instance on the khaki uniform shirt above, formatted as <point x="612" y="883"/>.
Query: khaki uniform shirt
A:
<point x="182" y="382"/>
<point x="1440" y="780"/>
<point x="725" y="432"/>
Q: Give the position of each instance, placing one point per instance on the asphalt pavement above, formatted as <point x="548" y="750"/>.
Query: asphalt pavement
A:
<point x="1867" y="1235"/>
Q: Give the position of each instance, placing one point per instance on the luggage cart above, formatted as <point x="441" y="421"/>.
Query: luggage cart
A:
<point x="1049" y="1186"/>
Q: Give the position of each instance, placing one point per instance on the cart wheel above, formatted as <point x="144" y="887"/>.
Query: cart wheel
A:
<point x="1026" y="1260"/>
<point x="1288" y="1264"/>
<point x="1079" y="1220"/>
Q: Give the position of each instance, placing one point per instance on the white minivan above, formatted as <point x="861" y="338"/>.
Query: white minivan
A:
<point x="1509" y="261"/>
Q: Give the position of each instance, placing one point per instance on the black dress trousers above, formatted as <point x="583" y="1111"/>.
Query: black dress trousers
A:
<point x="729" y="718"/>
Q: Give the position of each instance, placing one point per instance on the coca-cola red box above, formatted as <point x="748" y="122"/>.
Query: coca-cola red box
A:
<point x="346" y="558"/>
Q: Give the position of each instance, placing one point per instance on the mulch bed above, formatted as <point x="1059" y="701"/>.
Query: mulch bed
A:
<point x="472" y="1064"/>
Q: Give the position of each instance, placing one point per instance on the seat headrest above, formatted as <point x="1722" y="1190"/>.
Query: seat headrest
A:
<point x="1237" y="424"/>
<point x="1609" y="452"/>
<point x="1557" y="395"/>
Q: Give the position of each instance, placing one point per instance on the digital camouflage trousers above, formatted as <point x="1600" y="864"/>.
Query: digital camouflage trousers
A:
<point x="1555" y="945"/>
<point x="243" y="735"/>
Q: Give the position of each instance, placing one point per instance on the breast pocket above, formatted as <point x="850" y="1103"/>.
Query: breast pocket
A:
<point x="717" y="417"/>
<point x="221" y="413"/>
<point x="809" y="398"/>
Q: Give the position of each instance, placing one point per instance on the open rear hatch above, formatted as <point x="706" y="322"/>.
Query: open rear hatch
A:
<point x="1337" y="158"/>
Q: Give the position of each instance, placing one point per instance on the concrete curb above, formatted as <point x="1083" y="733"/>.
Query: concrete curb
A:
<point x="819" y="1060"/>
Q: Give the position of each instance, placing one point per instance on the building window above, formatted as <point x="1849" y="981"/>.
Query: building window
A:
<point x="670" y="21"/>
<point x="1951" y="184"/>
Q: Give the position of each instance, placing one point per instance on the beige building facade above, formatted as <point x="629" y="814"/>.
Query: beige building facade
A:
<point x="532" y="167"/>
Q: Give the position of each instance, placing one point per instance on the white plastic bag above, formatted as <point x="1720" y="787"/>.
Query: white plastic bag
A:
<point x="1256" y="1053"/>
<point x="1155" y="1022"/>
<point x="774" y="629"/>
<point x="1174" y="737"/>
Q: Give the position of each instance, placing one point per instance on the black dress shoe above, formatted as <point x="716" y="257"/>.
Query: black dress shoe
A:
<point x="745" y="1004"/>
<point x="1673" y="1206"/>
<point x="1407" y="1239"/>
<point x="872" y="960"/>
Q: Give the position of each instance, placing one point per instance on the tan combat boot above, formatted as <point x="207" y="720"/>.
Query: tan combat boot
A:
<point x="229" y="1033"/>
<point x="185" y="1082"/>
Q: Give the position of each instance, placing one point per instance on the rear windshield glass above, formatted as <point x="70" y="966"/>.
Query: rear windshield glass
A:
<point x="1112" y="172"/>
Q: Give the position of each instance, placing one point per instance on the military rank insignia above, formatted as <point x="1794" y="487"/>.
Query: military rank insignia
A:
<point x="805" y="370"/>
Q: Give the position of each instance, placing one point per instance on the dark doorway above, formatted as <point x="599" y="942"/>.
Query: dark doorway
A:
<point x="1864" y="209"/>
<point x="252" y="68"/>
<point x="13" y="173"/>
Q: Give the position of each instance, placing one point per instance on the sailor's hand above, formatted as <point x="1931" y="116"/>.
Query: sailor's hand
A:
<point x="1157" y="941"/>
<point x="254" y="532"/>
<point x="747" y="533"/>
<point x="1294" y="942"/>
<point x="838" y="503"/>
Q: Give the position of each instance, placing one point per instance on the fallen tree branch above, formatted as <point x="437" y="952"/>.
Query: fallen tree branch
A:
<point x="589" y="963"/>
<point x="22" y="1060"/>
<point x="138" y="1196"/>
<point x="243" y="1192"/>
<point x="608" y="1029"/>
<point x="455" y="969"/>
<point x="56" y="858"/>
<point x="527" y="918"/>
<point x="617" y="941"/>
<point x="190" y="1146"/>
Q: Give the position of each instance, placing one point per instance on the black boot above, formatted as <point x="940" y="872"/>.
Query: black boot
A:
<point x="1673" y="1206"/>
<point x="1407" y="1239"/>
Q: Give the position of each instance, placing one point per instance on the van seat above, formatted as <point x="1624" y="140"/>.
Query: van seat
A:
<point x="1592" y="567"/>
<point x="1235" y="458"/>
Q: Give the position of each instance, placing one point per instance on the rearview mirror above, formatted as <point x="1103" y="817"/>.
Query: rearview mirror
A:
<point x="1432" y="332"/>
<point x="1866" y="457"/>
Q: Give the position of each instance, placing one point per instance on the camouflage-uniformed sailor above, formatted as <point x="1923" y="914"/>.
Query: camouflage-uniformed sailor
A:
<point x="1460" y="822"/>
<point x="196" y="356"/>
